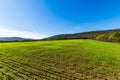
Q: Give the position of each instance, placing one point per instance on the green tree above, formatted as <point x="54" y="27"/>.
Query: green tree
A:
<point x="117" y="36"/>
<point x="101" y="37"/>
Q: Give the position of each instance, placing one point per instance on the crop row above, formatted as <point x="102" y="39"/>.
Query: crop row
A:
<point x="25" y="71"/>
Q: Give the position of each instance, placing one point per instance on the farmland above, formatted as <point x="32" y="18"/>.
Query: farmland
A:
<point x="60" y="60"/>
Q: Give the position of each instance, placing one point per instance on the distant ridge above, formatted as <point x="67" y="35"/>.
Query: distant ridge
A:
<point x="13" y="39"/>
<point x="82" y="35"/>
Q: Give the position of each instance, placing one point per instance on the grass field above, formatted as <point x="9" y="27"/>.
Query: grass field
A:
<point x="60" y="60"/>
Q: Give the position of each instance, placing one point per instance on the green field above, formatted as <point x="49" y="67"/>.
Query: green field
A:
<point x="60" y="60"/>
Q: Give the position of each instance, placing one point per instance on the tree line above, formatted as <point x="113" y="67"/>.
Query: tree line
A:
<point x="110" y="37"/>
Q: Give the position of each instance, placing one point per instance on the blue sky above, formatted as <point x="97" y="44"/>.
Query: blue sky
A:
<point x="41" y="18"/>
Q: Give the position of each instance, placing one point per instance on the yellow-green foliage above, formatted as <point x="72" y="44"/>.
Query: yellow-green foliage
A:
<point x="101" y="37"/>
<point x="109" y="37"/>
<point x="60" y="60"/>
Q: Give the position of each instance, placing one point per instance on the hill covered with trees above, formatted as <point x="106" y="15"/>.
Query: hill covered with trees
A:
<point x="103" y="35"/>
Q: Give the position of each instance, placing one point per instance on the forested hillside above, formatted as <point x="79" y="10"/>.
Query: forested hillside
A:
<point x="103" y="35"/>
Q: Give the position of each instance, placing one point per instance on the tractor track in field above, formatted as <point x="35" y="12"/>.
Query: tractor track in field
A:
<point x="41" y="68"/>
<point x="22" y="71"/>
<point x="40" y="72"/>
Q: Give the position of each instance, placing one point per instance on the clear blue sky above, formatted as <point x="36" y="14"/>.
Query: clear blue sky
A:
<point x="40" y="18"/>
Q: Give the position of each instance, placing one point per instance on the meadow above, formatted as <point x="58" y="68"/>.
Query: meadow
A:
<point x="60" y="60"/>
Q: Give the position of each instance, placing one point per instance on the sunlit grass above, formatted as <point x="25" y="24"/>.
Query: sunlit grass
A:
<point x="62" y="59"/>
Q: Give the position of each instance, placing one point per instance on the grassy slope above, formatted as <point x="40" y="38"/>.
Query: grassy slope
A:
<point x="62" y="59"/>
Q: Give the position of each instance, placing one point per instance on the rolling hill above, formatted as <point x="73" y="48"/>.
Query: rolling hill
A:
<point x="83" y="35"/>
<point x="13" y="39"/>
